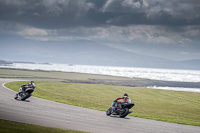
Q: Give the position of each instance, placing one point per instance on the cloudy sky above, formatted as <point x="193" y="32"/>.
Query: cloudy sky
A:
<point x="162" y="28"/>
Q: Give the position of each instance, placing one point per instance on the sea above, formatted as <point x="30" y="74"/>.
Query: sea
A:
<point x="130" y="72"/>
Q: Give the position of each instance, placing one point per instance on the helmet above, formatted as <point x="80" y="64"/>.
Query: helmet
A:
<point x="125" y="95"/>
<point x="32" y="82"/>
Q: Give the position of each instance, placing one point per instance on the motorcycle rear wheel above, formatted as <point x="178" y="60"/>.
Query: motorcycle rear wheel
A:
<point x="125" y="113"/>
<point x="27" y="95"/>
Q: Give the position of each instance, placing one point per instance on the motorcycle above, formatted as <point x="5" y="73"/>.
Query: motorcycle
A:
<point x="122" y="109"/>
<point x="23" y="95"/>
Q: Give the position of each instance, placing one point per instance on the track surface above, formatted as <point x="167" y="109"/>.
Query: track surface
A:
<point x="46" y="113"/>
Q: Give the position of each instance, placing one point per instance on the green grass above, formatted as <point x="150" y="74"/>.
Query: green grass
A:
<point x="16" y="127"/>
<point x="164" y="105"/>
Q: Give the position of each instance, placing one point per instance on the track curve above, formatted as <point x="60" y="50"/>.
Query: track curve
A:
<point x="47" y="113"/>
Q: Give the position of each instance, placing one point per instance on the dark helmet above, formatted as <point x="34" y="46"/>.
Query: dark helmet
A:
<point x="125" y="95"/>
<point x="31" y="82"/>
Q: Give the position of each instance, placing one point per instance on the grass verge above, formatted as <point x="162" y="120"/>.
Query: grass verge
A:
<point x="16" y="127"/>
<point x="164" y="105"/>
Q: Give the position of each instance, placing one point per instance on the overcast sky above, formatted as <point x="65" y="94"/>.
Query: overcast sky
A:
<point x="164" y="28"/>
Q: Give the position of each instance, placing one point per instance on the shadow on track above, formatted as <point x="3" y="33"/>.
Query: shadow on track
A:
<point x="114" y="116"/>
<point x="23" y="101"/>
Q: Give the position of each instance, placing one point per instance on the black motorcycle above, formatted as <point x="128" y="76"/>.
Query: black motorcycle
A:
<point x="122" y="109"/>
<point x="23" y="95"/>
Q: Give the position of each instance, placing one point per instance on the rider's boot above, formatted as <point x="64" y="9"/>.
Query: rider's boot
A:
<point x="16" y="96"/>
<point x="113" y="109"/>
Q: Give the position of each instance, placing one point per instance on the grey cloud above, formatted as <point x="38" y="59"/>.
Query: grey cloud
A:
<point x="180" y="12"/>
<point x="153" y="12"/>
<point x="46" y="13"/>
<point x="53" y="14"/>
<point x="160" y="35"/>
<point x="171" y="12"/>
<point x="124" y="5"/>
<point x="45" y="7"/>
<point x="81" y="18"/>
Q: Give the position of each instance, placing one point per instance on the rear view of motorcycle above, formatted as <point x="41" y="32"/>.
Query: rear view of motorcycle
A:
<point x="122" y="109"/>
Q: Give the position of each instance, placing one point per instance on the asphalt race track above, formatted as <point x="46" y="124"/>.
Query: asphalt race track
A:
<point x="46" y="113"/>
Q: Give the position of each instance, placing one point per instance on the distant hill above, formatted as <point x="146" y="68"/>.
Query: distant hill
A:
<point x="191" y="64"/>
<point x="25" y="62"/>
<point x="194" y="62"/>
<point x="152" y="63"/>
<point x="83" y="52"/>
<point x="2" y="62"/>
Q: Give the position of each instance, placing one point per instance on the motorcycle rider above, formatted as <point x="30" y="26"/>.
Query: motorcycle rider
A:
<point x="125" y="98"/>
<point x="26" y="86"/>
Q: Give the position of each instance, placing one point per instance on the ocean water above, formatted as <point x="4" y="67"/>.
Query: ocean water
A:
<point x="176" y="88"/>
<point x="130" y="72"/>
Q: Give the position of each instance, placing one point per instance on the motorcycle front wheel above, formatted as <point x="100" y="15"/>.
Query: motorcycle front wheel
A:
<point x="108" y="112"/>
<point x="16" y="96"/>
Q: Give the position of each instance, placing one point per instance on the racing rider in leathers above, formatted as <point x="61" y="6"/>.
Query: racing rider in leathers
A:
<point x="125" y="98"/>
<point x="26" y="86"/>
